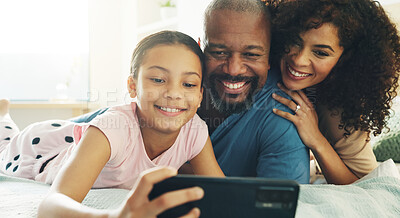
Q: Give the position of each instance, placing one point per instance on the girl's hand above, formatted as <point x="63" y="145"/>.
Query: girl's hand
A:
<point x="305" y="118"/>
<point x="138" y="204"/>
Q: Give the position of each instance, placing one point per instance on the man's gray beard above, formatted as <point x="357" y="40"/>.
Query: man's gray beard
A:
<point x="231" y="108"/>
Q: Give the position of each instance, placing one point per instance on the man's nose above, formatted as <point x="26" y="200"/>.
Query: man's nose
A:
<point x="235" y="65"/>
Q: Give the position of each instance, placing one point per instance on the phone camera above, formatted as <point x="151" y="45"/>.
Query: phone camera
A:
<point x="274" y="199"/>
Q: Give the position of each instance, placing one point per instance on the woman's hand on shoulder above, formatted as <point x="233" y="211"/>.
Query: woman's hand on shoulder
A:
<point x="139" y="205"/>
<point x="305" y="117"/>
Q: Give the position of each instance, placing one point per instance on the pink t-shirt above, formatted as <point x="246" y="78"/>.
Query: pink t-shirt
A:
<point x="128" y="156"/>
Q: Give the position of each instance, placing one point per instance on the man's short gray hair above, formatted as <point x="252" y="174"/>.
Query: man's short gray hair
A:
<point x="255" y="7"/>
<point x="248" y="6"/>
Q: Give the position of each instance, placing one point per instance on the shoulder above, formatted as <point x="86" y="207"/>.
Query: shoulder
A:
<point x="264" y="104"/>
<point x="195" y="126"/>
<point x="279" y="131"/>
<point x="264" y="100"/>
<point x="274" y="75"/>
<point x="275" y="131"/>
<point x="194" y="132"/>
<point x="125" y="109"/>
<point x="119" y="114"/>
<point x="120" y="126"/>
<point x="328" y="122"/>
<point x="192" y="137"/>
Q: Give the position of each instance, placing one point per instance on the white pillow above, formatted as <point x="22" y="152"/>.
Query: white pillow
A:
<point x="386" y="168"/>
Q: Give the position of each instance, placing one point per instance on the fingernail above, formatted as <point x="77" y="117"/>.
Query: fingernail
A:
<point x="274" y="110"/>
<point x="273" y="95"/>
<point x="196" y="212"/>
<point x="199" y="191"/>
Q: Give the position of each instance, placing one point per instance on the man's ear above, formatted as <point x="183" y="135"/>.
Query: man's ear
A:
<point x="132" y="87"/>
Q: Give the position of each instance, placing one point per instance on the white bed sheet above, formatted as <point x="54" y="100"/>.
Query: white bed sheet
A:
<point x="377" y="194"/>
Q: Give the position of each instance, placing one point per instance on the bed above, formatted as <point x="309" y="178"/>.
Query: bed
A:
<point x="376" y="195"/>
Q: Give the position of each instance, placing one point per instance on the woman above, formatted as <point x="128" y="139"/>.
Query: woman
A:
<point x="341" y="58"/>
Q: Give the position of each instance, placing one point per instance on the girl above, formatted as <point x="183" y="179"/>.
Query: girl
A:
<point x="159" y="128"/>
<point x="343" y="56"/>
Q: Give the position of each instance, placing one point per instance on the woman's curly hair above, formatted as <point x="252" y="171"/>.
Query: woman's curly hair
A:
<point x="364" y="81"/>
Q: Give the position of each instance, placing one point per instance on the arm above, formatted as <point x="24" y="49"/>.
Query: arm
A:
<point x="306" y="122"/>
<point x="332" y="166"/>
<point x="137" y="204"/>
<point x="78" y="175"/>
<point x="205" y="163"/>
<point x="76" y="178"/>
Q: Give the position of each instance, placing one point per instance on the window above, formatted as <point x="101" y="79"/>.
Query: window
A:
<point x="44" y="49"/>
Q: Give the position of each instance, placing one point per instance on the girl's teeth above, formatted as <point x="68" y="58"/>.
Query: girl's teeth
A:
<point x="171" y="110"/>
<point x="234" y="86"/>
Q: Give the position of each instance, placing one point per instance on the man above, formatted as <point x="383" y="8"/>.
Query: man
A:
<point x="248" y="139"/>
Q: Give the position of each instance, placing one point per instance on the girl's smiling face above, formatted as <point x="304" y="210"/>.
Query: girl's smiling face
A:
<point x="168" y="88"/>
<point x="310" y="62"/>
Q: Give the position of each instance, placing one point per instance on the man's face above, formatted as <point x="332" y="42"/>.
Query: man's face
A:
<point x="237" y="52"/>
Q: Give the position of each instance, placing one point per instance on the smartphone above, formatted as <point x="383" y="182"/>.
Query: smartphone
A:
<point x="233" y="196"/>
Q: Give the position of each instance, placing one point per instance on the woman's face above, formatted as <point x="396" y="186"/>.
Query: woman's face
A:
<point x="310" y="62"/>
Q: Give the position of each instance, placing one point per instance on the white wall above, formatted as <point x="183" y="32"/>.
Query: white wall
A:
<point x="388" y="2"/>
<point x="192" y="8"/>
<point x="24" y="117"/>
<point x="111" y="42"/>
<point x="393" y="11"/>
<point x="108" y="42"/>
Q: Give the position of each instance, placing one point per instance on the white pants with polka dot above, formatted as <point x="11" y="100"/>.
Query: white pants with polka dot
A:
<point x="26" y="153"/>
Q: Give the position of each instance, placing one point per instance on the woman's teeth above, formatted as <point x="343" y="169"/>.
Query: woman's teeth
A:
<point x="234" y="85"/>
<point x="171" y="110"/>
<point x="297" y="74"/>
